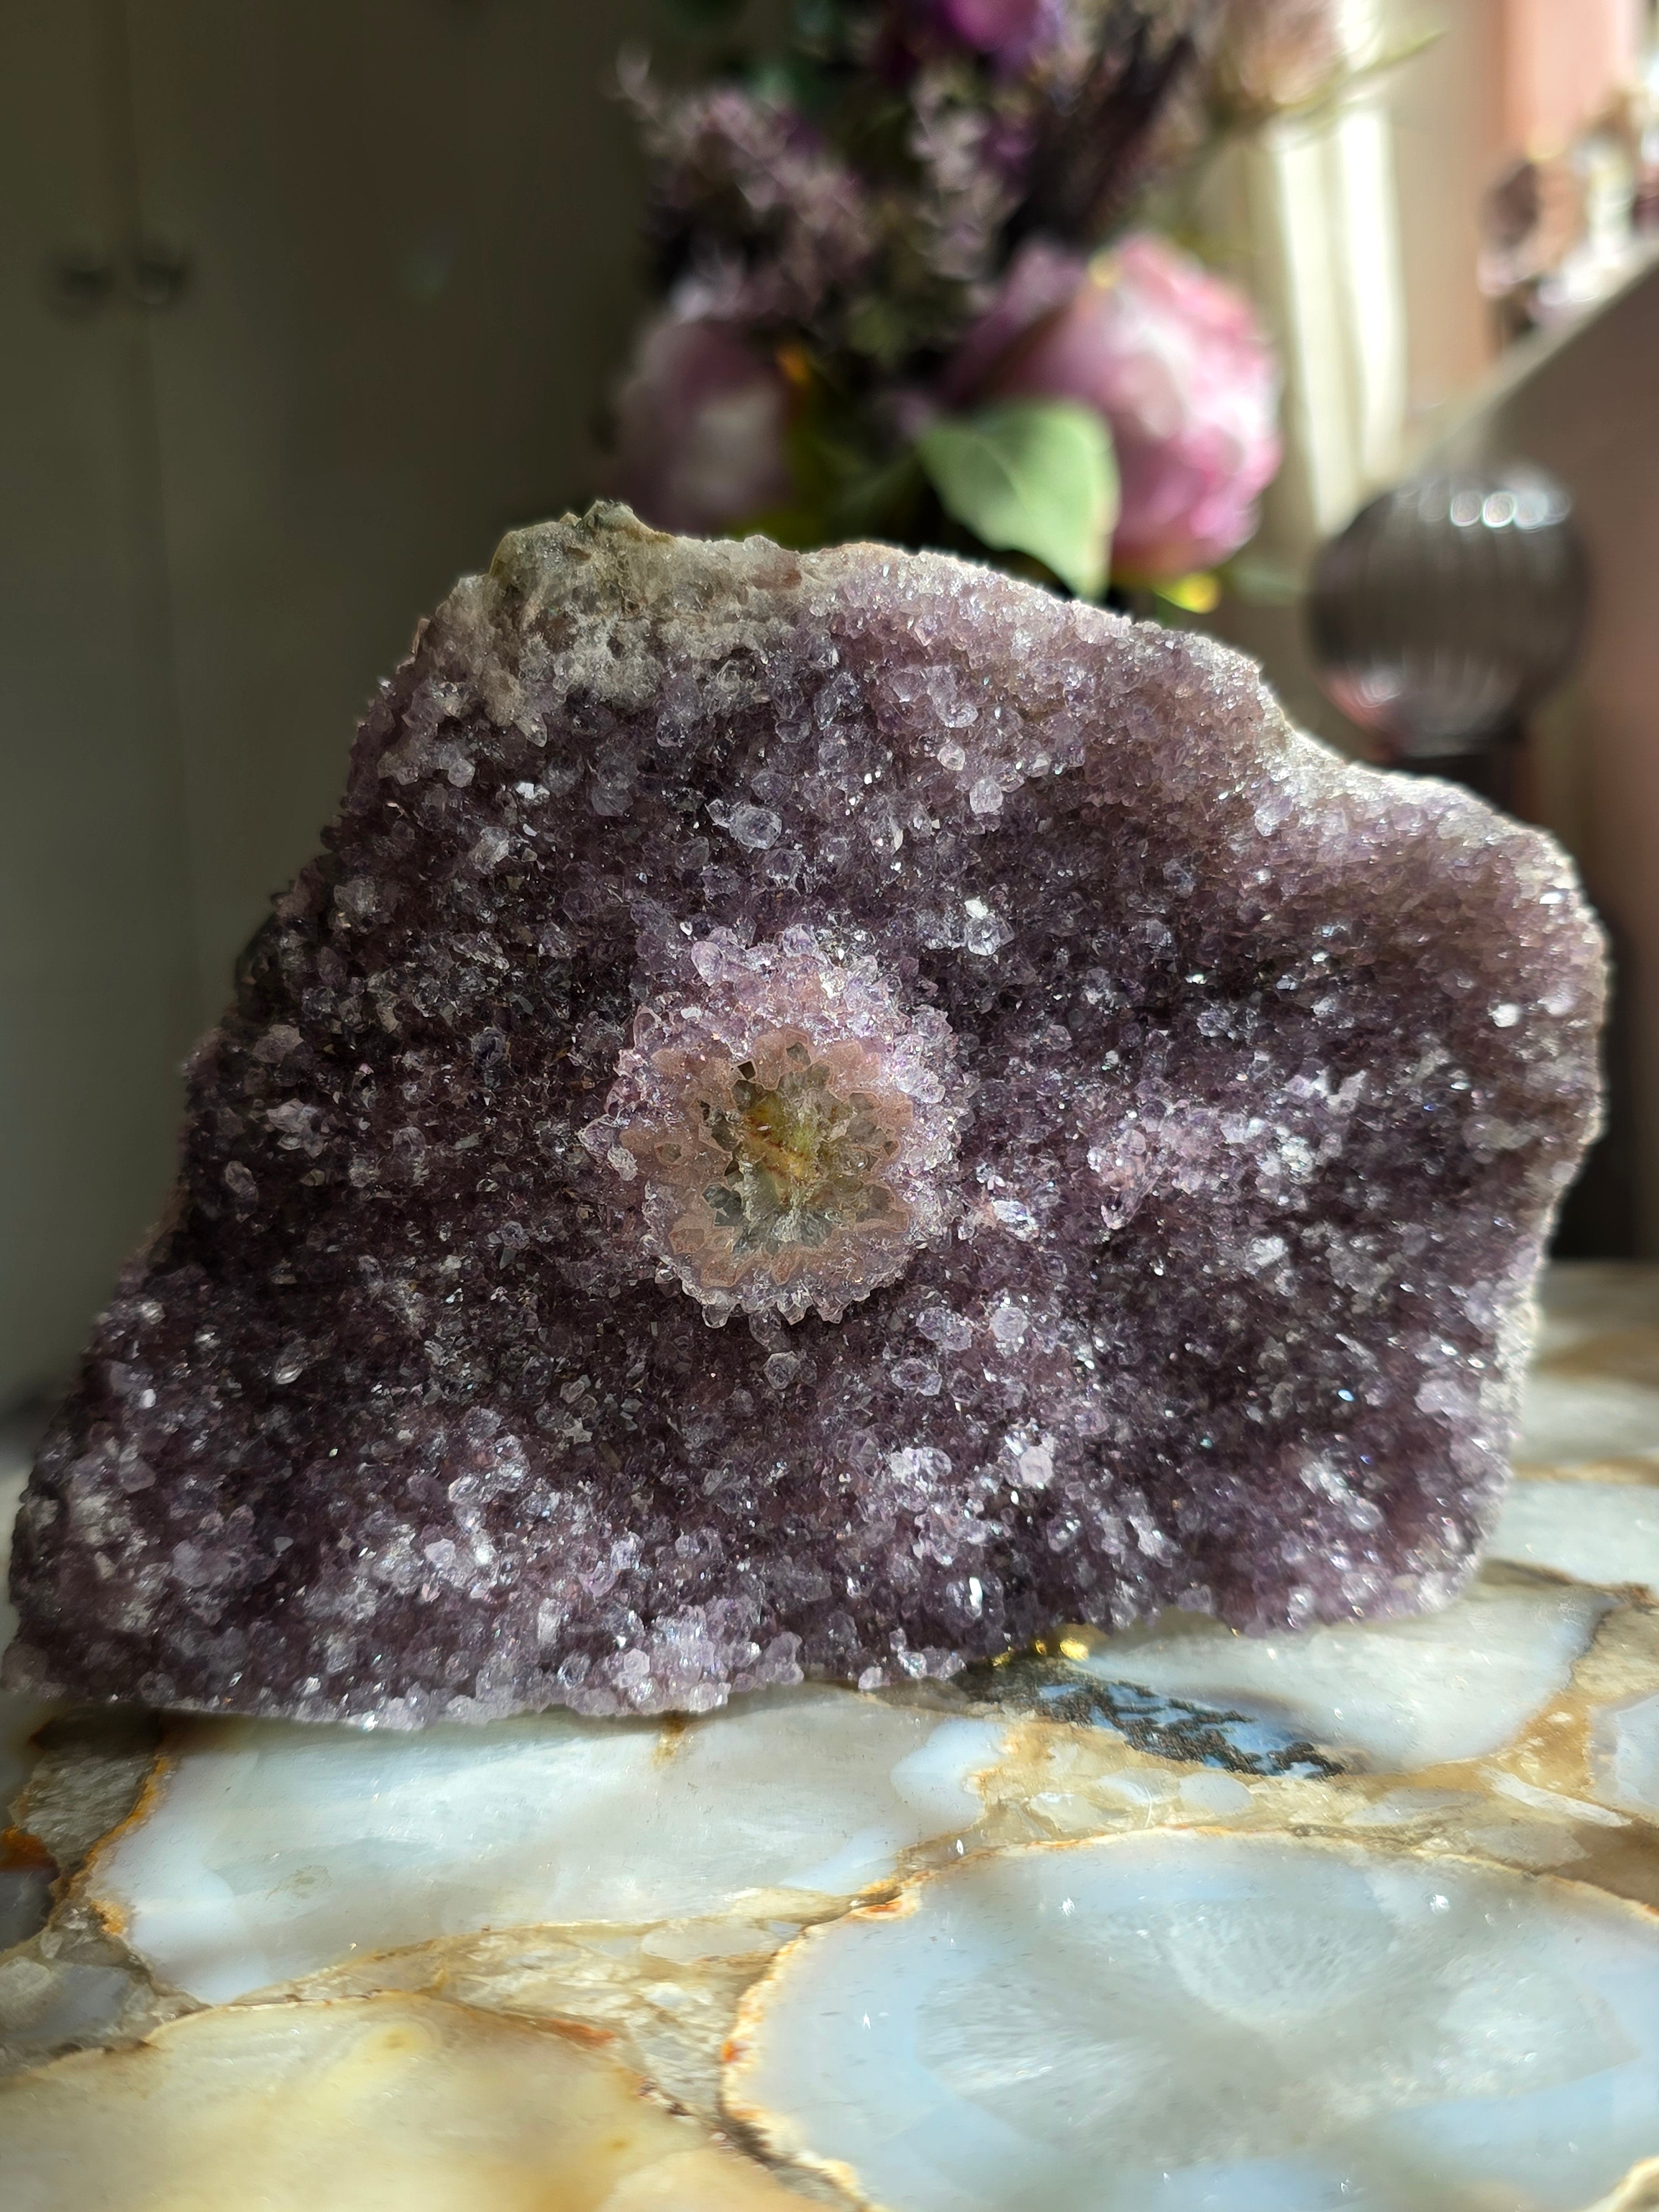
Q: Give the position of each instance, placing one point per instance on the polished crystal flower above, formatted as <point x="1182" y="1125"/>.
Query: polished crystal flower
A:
<point x="1116" y="1134"/>
<point x="784" y="1129"/>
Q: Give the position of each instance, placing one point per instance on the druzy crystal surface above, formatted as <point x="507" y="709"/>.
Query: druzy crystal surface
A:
<point x="820" y="1115"/>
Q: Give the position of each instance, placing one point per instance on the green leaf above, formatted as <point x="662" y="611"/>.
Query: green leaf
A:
<point x="1032" y="476"/>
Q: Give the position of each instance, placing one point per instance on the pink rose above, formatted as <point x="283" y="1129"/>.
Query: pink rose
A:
<point x="1175" y="360"/>
<point x="699" y="428"/>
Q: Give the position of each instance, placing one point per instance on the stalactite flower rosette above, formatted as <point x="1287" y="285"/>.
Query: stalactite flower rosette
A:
<point x="1113" y="1135"/>
<point x="784" y="1125"/>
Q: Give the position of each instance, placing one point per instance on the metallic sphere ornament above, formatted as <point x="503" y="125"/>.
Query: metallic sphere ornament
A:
<point x="1447" y="608"/>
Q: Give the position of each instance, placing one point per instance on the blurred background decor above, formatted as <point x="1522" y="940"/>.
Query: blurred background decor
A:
<point x="1445" y="610"/>
<point x="925" y="274"/>
<point x="306" y="301"/>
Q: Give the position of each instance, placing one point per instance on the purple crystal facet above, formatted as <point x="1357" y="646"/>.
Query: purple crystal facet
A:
<point x="1169" y="1111"/>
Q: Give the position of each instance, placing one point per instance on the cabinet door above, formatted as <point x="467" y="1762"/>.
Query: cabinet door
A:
<point x="410" y="229"/>
<point x="97" y="989"/>
<point x="370" y="266"/>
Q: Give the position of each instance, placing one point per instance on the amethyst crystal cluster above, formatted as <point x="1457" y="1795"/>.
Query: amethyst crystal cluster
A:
<point x="820" y="1115"/>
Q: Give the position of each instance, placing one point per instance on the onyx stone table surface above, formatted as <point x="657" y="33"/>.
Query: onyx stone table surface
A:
<point x="1363" y="1916"/>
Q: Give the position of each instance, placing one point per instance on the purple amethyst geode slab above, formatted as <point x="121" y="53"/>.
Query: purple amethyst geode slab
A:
<point x="820" y="1115"/>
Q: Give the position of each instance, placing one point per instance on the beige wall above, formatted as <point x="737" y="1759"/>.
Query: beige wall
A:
<point x="1449" y="143"/>
<point x="1587" y="407"/>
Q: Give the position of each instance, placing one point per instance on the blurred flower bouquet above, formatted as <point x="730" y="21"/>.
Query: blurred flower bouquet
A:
<point x="910" y="289"/>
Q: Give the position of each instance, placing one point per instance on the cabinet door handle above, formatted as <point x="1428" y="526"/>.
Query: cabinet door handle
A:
<point x="159" y="273"/>
<point x="80" y="279"/>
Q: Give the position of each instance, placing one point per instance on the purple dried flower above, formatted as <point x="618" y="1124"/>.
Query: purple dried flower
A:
<point x="759" y="221"/>
<point x="954" y="221"/>
<point x="699" y="428"/>
<point x="1104" y="117"/>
